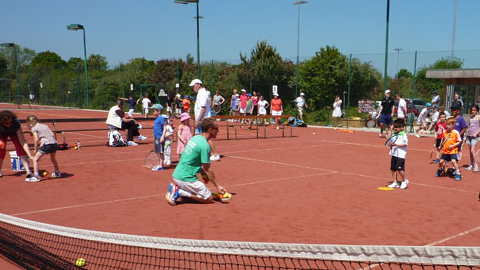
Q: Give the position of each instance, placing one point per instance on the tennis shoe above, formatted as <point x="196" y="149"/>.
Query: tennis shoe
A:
<point x="404" y="184"/>
<point x="172" y="194"/>
<point x="469" y="168"/>
<point x="214" y="158"/>
<point x="458" y="177"/>
<point x="394" y="184"/>
<point x="132" y="143"/>
<point x="57" y="174"/>
<point x="32" y="179"/>
<point x="439" y="173"/>
<point x="141" y="138"/>
<point x="475" y="168"/>
<point x="417" y="135"/>
<point x="436" y="161"/>
<point x="157" y="168"/>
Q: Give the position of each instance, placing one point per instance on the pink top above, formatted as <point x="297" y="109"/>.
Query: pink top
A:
<point x="243" y="100"/>
<point x="186" y="135"/>
<point x="474" y="127"/>
<point x="255" y="100"/>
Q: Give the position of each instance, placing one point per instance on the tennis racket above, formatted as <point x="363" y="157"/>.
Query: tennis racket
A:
<point x="390" y="141"/>
<point x="151" y="159"/>
<point x="440" y="147"/>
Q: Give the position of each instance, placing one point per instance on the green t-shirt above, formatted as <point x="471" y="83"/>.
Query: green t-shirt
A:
<point x="196" y="153"/>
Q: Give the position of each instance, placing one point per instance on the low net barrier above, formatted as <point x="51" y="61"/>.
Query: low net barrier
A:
<point x="35" y="245"/>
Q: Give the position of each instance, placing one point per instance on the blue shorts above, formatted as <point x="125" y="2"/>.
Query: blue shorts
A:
<point x="472" y="140"/>
<point x="386" y="119"/>
<point x="158" y="146"/>
<point x="449" y="157"/>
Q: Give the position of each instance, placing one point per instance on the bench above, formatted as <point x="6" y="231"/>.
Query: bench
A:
<point x="256" y="118"/>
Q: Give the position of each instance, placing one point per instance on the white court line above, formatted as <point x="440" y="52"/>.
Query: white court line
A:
<point x="152" y="196"/>
<point x="341" y="172"/>
<point x="453" y="236"/>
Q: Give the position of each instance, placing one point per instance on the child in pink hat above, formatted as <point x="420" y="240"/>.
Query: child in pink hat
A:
<point x="184" y="133"/>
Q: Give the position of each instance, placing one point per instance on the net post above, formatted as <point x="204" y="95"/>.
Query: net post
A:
<point x="228" y="137"/>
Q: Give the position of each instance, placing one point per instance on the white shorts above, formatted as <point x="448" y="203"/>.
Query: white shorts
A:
<point x="243" y="110"/>
<point x="130" y="112"/>
<point x="276" y="112"/>
<point x="145" y="110"/>
<point x="197" y="188"/>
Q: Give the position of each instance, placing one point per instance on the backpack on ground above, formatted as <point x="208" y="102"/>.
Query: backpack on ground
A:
<point x="115" y="139"/>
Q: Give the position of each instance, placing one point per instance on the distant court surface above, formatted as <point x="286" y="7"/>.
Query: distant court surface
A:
<point x="318" y="187"/>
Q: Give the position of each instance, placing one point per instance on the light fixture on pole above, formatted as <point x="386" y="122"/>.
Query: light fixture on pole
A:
<point x="12" y="45"/>
<point x="398" y="58"/>
<point x="299" y="3"/>
<point x="76" y="27"/>
<point x="198" y="29"/>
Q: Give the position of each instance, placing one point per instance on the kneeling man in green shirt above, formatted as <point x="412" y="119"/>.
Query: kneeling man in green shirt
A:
<point x="196" y="156"/>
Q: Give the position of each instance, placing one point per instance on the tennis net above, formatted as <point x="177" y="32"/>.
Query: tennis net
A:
<point x="34" y="245"/>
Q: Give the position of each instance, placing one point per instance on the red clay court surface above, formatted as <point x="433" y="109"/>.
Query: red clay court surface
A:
<point x="313" y="188"/>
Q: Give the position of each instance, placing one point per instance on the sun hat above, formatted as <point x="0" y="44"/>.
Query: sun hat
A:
<point x="195" y="81"/>
<point x="184" y="116"/>
<point x="157" y="106"/>
<point x="428" y="104"/>
<point x="243" y="90"/>
<point x="302" y="94"/>
<point x="387" y="91"/>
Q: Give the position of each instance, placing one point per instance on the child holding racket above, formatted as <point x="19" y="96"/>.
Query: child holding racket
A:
<point x="450" y="143"/>
<point x="159" y="134"/>
<point x="440" y="128"/>
<point x="45" y="143"/>
<point x="167" y="145"/>
<point x="398" y="150"/>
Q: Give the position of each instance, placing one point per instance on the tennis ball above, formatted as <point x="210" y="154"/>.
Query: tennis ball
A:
<point x="75" y="147"/>
<point x="80" y="262"/>
<point x="45" y="173"/>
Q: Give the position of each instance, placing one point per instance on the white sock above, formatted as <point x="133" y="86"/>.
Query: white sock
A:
<point x="184" y="193"/>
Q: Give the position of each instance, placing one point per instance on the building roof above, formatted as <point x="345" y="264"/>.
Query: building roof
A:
<point x="453" y="73"/>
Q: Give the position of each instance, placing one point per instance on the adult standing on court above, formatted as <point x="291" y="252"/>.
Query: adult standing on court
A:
<point x="233" y="100"/>
<point x="300" y="101"/>
<point x="202" y="111"/>
<point x="255" y="99"/>
<point x="402" y="107"/>
<point x="145" y="105"/>
<point x="218" y="100"/>
<point x="435" y="100"/>
<point x="457" y="102"/>
<point x="337" y="111"/>
<point x="195" y="157"/>
<point x="117" y="119"/>
<point x="243" y="103"/>
<point x="386" y="113"/>
<point x="10" y="128"/>
<point x="276" y="108"/>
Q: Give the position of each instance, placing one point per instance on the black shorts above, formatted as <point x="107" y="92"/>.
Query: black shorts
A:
<point x="158" y="146"/>
<point x="438" y="142"/>
<point x="255" y="110"/>
<point x="48" y="148"/>
<point x="397" y="164"/>
<point x="449" y="157"/>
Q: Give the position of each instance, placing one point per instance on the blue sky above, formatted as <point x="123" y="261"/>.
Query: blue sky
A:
<point x="158" y="29"/>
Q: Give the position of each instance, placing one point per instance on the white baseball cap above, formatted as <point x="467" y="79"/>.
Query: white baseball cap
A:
<point x="195" y="81"/>
<point x="243" y="90"/>
<point x="387" y="91"/>
<point x="302" y="94"/>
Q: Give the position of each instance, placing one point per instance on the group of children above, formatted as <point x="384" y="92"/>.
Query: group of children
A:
<point x="44" y="143"/>
<point x="450" y="136"/>
<point x="163" y="132"/>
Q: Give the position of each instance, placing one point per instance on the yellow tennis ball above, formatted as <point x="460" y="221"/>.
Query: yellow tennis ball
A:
<point x="75" y="147"/>
<point x="45" y="173"/>
<point x="80" y="262"/>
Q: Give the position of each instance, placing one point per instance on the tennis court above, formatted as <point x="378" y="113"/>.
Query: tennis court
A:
<point x="318" y="187"/>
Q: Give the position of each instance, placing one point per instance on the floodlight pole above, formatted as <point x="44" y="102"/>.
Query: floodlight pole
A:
<point x="298" y="3"/>
<point x="386" y="48"/>
<point x="398" y="58"/>
<point x="16" y="63"/>
<point x="454" y="27"/>
<point x="198" y="28"/>
<point x="76" y="27"/>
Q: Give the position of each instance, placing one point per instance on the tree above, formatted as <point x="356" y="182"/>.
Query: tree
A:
<point x="48" y="59"/>
<point x="404" y="73"/>
<point x="267" y="69"/>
